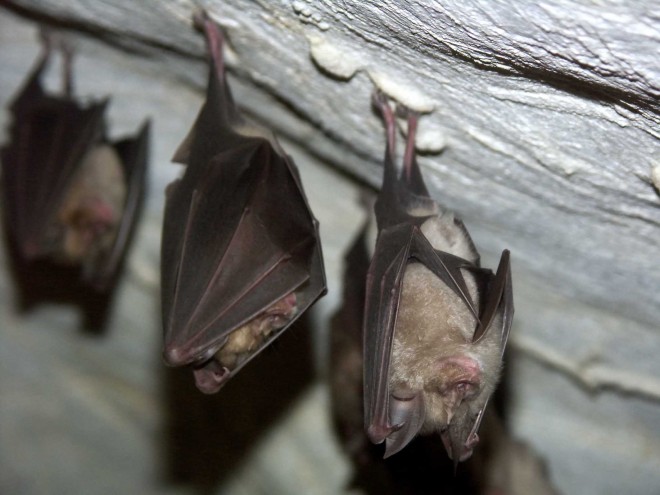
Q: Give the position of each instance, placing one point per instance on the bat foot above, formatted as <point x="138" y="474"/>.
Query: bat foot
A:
<point x="379" y="99"/>
<point x="381" y="102"/>
<point x="214" y="39"/>
<point x="403" y="112"/>
<point x="199" y="19"/>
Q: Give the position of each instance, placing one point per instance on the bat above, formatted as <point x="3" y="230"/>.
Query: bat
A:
<point x="423" y="467"/>
<point x="435" y="323"/>
<point x="241" y="256"/>
<point x="71" y="196"/>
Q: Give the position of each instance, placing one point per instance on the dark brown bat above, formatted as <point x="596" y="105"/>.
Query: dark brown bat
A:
<point x="241" y="255"/>
<point x="436" y="324"/>
<point x="70" y="195"/>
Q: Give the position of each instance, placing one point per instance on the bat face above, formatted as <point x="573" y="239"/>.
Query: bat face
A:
<point x="435" y="322"/>
<point x="241" y="256"/>
<point x="71" y="197"/>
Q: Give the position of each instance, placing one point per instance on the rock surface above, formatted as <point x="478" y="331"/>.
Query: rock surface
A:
<point x="541" y="131"/>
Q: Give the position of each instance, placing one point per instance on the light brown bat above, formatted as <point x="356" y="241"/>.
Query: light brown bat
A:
<point x="501" y="466"/>
<point x="436" y="323"/>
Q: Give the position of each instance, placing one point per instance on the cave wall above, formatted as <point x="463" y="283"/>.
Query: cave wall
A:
<point x="540" y="129"/>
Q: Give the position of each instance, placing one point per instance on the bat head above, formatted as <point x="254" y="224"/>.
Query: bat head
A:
<point x="214" y="367"/>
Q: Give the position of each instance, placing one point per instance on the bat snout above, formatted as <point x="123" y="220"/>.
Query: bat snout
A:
<point x="211" y="377"/>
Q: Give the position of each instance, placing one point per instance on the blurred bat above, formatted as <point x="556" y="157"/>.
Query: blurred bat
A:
<point x="241" y="255"/>
<point x="436" y="324"/>
<point x="70" y="195"/>
<point x="505" y="465"/>
<point x="499" y="466"/>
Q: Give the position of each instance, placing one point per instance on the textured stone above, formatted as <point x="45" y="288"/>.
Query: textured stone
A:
<point x="541" y="132"/>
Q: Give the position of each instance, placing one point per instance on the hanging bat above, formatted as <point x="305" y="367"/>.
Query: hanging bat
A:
<point x="435" y="324"/>
<point x="71" y="196"/>
<point x="241" y="255"/>
<point x="423" y="466"/>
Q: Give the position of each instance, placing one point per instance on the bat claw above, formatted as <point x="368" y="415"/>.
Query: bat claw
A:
<point x="403" y="112"/>
<point x="378" y="98"/>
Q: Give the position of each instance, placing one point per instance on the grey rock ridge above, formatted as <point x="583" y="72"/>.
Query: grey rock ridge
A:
<point x="540" y="129"/>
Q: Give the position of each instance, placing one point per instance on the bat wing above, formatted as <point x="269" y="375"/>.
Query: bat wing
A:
<point x="49" y="137"/>
<point x="238" y="234"/>
<point x="402" y="207"/>
<point x="235" y="242"/>
<point x="395" y="248"/>
<point x="496" y="316"/>
<point x="133" y="153"/>
<point x="497" y="300"/>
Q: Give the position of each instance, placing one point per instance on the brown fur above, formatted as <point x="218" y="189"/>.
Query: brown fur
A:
<point x="91" y="211"/>
<point x="432" y="351"/>
<point x="244" y="340"/>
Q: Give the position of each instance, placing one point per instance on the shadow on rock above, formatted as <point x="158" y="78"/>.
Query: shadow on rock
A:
<point x="206" y="437"/>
